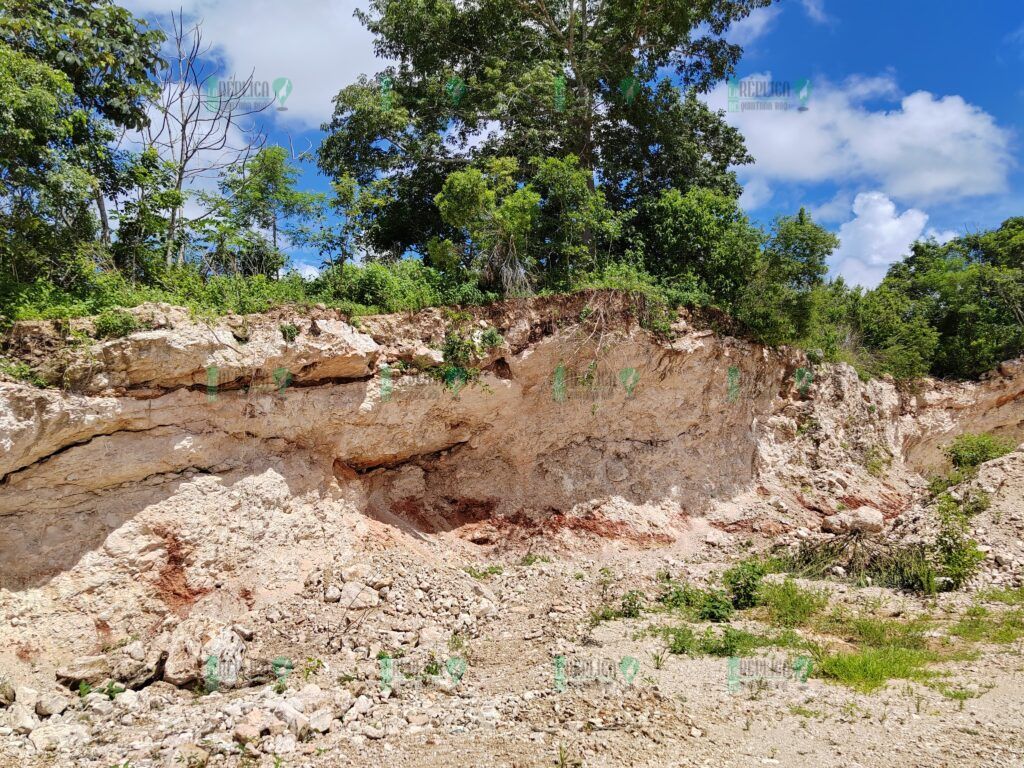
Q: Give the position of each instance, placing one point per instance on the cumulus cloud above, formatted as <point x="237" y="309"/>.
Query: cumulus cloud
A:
<point x="319" y="46"/>
<point x="756" y="194"/>
<point x="928" y="149"/>
<point x="877" y="237"/>
<point x="757" y="24"/>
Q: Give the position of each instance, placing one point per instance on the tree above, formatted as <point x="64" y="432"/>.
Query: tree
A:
<point x="258" y="204"/>
<point x="198" y="128"/>
<point x="778" y="300"/>
<point x="529" y="79"/>
<point x="494" y="219"/>
<point x="701" y="234"/>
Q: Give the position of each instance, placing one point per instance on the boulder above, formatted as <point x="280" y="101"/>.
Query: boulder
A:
<point x="358" y="596"/>
<point x="58" y="736"/>
<point x="85" y="669"/>
<point x="50" y="704"/>
<point x="862" y="520"/>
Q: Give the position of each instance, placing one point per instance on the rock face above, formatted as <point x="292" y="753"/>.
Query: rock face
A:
<point x="192" y="473"/>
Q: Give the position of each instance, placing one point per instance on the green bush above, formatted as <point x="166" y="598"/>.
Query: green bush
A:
<point x="113" y="324"/>
<point x="702" y="604"/>
<point x="632" y="604"/>
<point x="743" y="580"/>
<point x="289" y="332"/>
<point x="969" y="451"/>
<point x="959" y="554"/>
<point x="871" y="668"/>
<point x="680" y="640"/>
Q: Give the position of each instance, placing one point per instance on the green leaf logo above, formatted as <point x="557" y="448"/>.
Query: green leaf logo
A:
<point x="282" y="90"/>
<point x="629" y="666"/>
<point x="629" y="378"/>
<point x="456" y="667"/>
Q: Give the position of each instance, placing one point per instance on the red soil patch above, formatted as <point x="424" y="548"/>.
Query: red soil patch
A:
<point x="172" y="584"/>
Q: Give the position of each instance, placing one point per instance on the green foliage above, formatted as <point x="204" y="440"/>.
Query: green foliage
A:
<point x="632" y="604"/>
<point x="789" y="604"/>
<point x="491" y="339"/>
<point x="289" y="332"/>
<point x="743" y="581"/>
<point x="532" y="559"/>
<point x="869" y="669"/>
<point x="21" y="371"/>
<point x="524" y="201"/>
<point x="959" y="554"/>
<point x="968" y="451"/>
<point x="981" y="625"/>
<point x="702" y="604"/>
<point x="482" y="573"/>
<point x="113" y="324"/>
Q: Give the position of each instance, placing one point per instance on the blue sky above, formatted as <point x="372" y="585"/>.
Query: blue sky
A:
<point x="912" y="128"/>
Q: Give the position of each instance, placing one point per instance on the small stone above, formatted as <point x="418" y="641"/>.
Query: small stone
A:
<point x="136" y="650"/>
<point x="357" y="596"/>
<point x="320" y="720"/>
<point x="27" y="696"/>
<point x="21" y="718"/>
<point x="332" y="594"/>
<point x="50" y="704"/>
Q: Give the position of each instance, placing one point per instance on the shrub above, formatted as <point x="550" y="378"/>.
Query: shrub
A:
<point x="632" y="604"/>
<point x="703" y="604"/>
<point x="969" y="451"/>
<point x="289" y="332"/>
<point x="959" y="555"/>
<point x="491" y="339"/>
<point x="681" y="640"/>
<point x="113" y="324"/>
<point x="742" y="582"/>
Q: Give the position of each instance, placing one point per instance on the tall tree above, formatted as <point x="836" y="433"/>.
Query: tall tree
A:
<point x="533" y="79"/>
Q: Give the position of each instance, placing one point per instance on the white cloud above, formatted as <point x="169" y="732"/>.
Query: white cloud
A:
<point x="308" y="271"/>
<point x="930" y="149"/>
<point x="756" y="194"/>
<point x="836" y="209"/>
<point x="878" y="236"/>
<point x="816" y="10"/>
<point x="319" y="46"/>
<point x="758" y="23"/>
